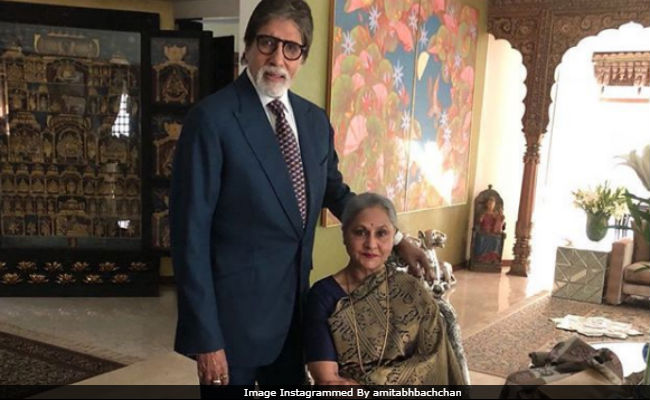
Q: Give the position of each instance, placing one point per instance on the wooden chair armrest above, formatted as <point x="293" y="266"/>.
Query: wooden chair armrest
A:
<point x="619" y="258"/>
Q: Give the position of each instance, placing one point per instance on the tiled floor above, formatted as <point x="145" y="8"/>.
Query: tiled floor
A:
<point x="140" y="331"/>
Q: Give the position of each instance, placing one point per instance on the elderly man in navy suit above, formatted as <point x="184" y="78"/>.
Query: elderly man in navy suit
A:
<point x="254" y="165"/>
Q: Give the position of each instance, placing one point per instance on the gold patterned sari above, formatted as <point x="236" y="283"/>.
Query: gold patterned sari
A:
<point x="417" y="350"/>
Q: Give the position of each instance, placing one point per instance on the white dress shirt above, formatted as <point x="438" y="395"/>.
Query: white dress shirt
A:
<point x="288" y="111"/>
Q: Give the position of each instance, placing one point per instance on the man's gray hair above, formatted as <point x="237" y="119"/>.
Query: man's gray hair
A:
<point x="294" y="10"/>
<point x="364" y="201"/>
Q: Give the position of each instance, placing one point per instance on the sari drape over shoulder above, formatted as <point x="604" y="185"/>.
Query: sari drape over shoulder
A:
<point x="417" y="351"/>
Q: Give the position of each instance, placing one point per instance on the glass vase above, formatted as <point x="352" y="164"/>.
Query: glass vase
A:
<point x="597" y="226"/>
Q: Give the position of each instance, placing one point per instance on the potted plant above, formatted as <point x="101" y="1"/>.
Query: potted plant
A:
<point x="600" y="204"/>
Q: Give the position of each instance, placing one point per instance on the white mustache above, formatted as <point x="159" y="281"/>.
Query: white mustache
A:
<point x="274" y="70"/>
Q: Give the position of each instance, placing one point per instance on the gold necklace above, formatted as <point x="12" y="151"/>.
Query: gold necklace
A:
<point x="356" y="328"/>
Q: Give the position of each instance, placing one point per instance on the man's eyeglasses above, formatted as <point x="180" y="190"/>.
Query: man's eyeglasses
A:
<point x="290" y="50"/>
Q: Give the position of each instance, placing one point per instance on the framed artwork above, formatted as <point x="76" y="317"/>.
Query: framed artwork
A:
<point x="74" y="114"/>
<point x="401" y="83"/>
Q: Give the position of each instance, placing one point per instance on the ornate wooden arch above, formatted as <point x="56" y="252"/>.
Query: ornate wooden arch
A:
<point x="543" y="30"/>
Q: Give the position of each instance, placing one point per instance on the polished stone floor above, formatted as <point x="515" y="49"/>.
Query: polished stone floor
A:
<point x="140" y="331"/>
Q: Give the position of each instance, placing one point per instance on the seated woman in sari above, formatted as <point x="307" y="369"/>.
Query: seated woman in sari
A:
<point x="373" y="325"/>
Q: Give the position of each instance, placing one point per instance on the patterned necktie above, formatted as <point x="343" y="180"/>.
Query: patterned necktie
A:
<point x="291" y="154"/>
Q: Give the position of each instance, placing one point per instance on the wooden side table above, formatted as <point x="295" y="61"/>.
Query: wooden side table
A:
<point x="580" y="274"/>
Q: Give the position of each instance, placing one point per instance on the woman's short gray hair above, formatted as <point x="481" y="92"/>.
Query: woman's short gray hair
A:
<point x="364" y="201"/>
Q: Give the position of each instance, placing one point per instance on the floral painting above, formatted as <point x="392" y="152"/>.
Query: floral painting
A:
<point x="401" y="86"/>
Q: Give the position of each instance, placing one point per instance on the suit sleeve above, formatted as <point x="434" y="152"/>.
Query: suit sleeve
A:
<point x="337" y="192"/>
<point x="194" y="191"/>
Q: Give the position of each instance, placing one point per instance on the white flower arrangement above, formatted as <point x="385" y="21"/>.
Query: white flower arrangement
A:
<point x="602" y="200"/>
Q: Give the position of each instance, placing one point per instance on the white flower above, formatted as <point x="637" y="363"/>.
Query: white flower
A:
<point x="413" y="21"/>
<point x="373" y="19"/>
<point x="424" y="36"/>
<point x="348" y="43"/>
<point x="458" y="60"/>
<point x="443" y="119"/>
<point x="406" y="121"/>
<point x="446" y="135"/>
<point x="398" y="75"/>
<point x="601" y="200"/>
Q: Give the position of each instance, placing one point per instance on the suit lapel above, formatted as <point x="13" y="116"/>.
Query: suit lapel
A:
<point x="261" y="138"/>
<point x="307" y="136"/>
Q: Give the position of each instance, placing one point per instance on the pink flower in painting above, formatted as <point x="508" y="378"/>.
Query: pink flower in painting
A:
<point x="438" y="5"/>
<point x="387" y="78"/>
<point x="357" y="81"/>
<point x="467" y="75"/>
<point x="381" y="94"/>
<point x="441" y="44"/>
<point x="451" y="22"/>
<point x="469" y="15"/>
<point x="356" y="134"/>
<point x="380" y="168"/>
<point x="452" y="112"/>
<point x="466" y="128"/>
<point x="353" y="5"/>
<point x="366" y="102"/>
<point x="434" y="104"/>
<point x="336" y="68"/>
<point x="404" y="96"/>
<point x="366" y="59"/>
<point x="404" y="34"/>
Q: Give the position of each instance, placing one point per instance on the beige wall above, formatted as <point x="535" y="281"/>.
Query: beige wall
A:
<point x="501" y="132"/>
<point x="162" y="7"/>
<point x="224" y="27"/>
<point x="329" y="253"/>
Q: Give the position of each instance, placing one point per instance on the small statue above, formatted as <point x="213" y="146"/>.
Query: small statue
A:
<point x="488" y="232"/>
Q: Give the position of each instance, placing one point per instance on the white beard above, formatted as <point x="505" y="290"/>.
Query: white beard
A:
<point x="272" y="89"/>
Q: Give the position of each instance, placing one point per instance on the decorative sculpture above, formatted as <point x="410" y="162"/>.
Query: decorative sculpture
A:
<point x="443" y="272"/>
<point x="428" y="240"/>
<point x="488" y="232"/>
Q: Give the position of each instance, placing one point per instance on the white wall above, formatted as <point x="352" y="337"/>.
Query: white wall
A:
<point x="501" y="140"/>
<point x="246" y="8"/>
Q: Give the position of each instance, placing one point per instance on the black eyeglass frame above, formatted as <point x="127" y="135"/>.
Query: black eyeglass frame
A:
<point x="276" y="41"/>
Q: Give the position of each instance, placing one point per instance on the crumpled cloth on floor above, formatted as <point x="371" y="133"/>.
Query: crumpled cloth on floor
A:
<point x="571" y="362"/>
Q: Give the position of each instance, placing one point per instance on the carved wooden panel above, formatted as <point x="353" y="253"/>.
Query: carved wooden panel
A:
<point x="74" y="172"/>
<point x="543" y="30"/>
